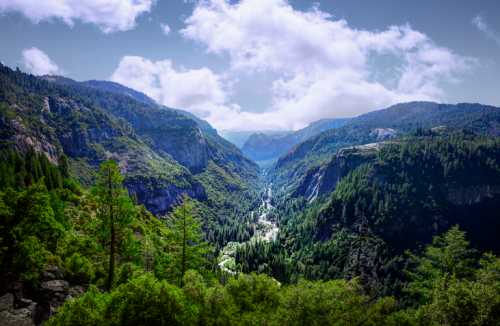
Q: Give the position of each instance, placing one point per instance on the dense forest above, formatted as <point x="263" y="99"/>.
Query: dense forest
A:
<point x="97" y="258"/>
<point x="405" y="193"/>
<point x="118" y="211"/>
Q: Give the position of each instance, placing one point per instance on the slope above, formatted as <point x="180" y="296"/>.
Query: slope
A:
<point x="163" y="152"/>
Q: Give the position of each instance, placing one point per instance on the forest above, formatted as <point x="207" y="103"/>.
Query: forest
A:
<point x="127" y="267"/>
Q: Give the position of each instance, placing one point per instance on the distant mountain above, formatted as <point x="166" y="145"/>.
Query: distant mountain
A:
<point x="376" y="126"/>
<point x="239" y="138"/>
<point x="265" y="146"/>
<point x="163" y="152"/>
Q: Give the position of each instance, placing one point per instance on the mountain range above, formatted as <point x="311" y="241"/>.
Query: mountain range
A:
<point x="163" y="152"/>
<point x="270" y="146"/>
<point x="353" y="198"/>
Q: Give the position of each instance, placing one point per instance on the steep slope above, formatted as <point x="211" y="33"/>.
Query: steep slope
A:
<point x="388" y="199"/>
<point x="379" y="126"/>
<point x="163" y="152"/>
<point x="265" y="146"/>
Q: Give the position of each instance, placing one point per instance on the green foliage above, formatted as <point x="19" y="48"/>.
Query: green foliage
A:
<point x="245" y="300"/>
<point x="188" y="248"/>
<point x="409" y="191"/>
<point x="115" y="209"/>
<point x="147" y="301"/>
<point x="453" y="287"/>
<point x="448" y="256"/>
<point x="89" y="309"/>
<point x="29" y="232"/>
<point x="19" y="171"/>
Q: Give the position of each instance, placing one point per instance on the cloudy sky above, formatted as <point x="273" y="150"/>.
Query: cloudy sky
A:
<point x="265" y="64"/>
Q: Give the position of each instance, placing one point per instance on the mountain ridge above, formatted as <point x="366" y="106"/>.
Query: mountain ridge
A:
<point x="381" y="125"/>
<point x="268" y="147"/>
<point x="162" y="152"/>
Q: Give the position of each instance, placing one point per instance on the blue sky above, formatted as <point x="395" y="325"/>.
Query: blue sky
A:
<point x="265" y="64"/>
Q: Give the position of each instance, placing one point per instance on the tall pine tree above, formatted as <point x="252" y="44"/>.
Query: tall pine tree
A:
<point x="189" y="250"/>
<point x="115" y="208"/>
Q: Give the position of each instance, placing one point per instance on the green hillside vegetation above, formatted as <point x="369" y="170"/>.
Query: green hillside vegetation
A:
<point x="412" y="190"/>
<point x="465" y="292"/>
<point x="164" y="274"/>
<point x="163" y="153"/>
<point x="395" y="121"/>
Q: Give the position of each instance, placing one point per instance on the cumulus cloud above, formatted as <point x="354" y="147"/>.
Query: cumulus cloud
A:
<point x="200" y="91"/>
<point x="326" y="67"/>
<point x="482" y="26"/>
<point x="39" y="63"/>
<point x="165" y="29"/>
<point x="108" y="15"/>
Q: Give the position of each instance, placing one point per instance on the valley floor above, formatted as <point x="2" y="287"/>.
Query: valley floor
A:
<point x="265" y="229"/>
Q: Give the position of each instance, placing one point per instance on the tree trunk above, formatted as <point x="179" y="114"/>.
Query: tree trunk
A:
<point x="183" y="263"/>
<point x="111" y="270"/>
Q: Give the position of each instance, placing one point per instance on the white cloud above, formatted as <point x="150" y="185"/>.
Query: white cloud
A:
<point x="108" y="15"/>
<point x="200" y="91"/>
<point x="39" y="63"/>
<point x="481" y="25"/>
<point x="165" y="29"/>
<point x="327" y="68"/>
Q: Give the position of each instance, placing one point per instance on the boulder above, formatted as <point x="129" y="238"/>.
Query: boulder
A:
<point x="16" y="317"/>
<point x="6" y="302"/>
<point x="55" y="285"/>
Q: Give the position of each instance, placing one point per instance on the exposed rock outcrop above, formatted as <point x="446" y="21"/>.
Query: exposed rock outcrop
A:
<point x="158" y="197"/>
<point x="10" y="315"/>
<point x="324" y="178"/>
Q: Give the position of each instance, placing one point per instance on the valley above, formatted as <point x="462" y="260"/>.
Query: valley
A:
<point x="264" y="230"/>
<point x="111" y="202"/>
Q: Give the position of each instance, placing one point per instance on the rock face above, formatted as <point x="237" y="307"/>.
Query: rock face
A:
<point x="54" y="290"/>
<point x="10" y="315"/>
<point x="94" y="121"/>
<point x="323" y="179"/>
<point x="159" y="197"/>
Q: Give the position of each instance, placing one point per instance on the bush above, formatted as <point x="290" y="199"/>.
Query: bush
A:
<point x="79" y="268"/>
<point x="89" y="309"/>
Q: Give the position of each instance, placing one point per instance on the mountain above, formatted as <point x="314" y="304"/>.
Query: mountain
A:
<point x="239" y="138"/>
<point x="372" y="203"/>
<point x="268" y="147"/>
<point x="116" y="88"/>
<point x="368" y="223"/>
<point x="163" y="152"/>
<point x="377" y="126"/>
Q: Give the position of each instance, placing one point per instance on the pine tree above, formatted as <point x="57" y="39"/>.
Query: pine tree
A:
<point x="115" y="209"/>
<point x="188" y="248"/>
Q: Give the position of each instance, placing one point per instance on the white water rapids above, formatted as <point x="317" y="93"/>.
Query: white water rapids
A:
<point x="264" y="230"/>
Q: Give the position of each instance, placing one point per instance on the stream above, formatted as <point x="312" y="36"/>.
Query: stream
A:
<point x="264" y="230"/>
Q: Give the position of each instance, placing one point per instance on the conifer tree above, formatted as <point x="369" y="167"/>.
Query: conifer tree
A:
<point x="188" y="247"/>
<point x="115" y="209"/>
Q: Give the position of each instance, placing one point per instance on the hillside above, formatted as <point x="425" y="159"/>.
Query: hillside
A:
<point x="270" y="146"/>
<point x="378" y="126"/>
<point x="163" y="152"/>
<point x="383" y="201"/>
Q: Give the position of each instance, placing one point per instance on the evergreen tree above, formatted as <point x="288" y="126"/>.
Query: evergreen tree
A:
<point x="448" y="257"/>
<point x="188" y="249"/>
<point x="115" y="209"/>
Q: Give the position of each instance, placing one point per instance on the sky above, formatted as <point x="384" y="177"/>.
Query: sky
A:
<point x="265" y="64"/>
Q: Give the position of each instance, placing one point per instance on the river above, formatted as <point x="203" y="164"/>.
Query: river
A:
<point x="264" y="230"/>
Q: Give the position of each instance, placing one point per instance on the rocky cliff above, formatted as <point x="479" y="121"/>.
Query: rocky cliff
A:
<point x="322" y="180"/>
<point x="161" y="150"/>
